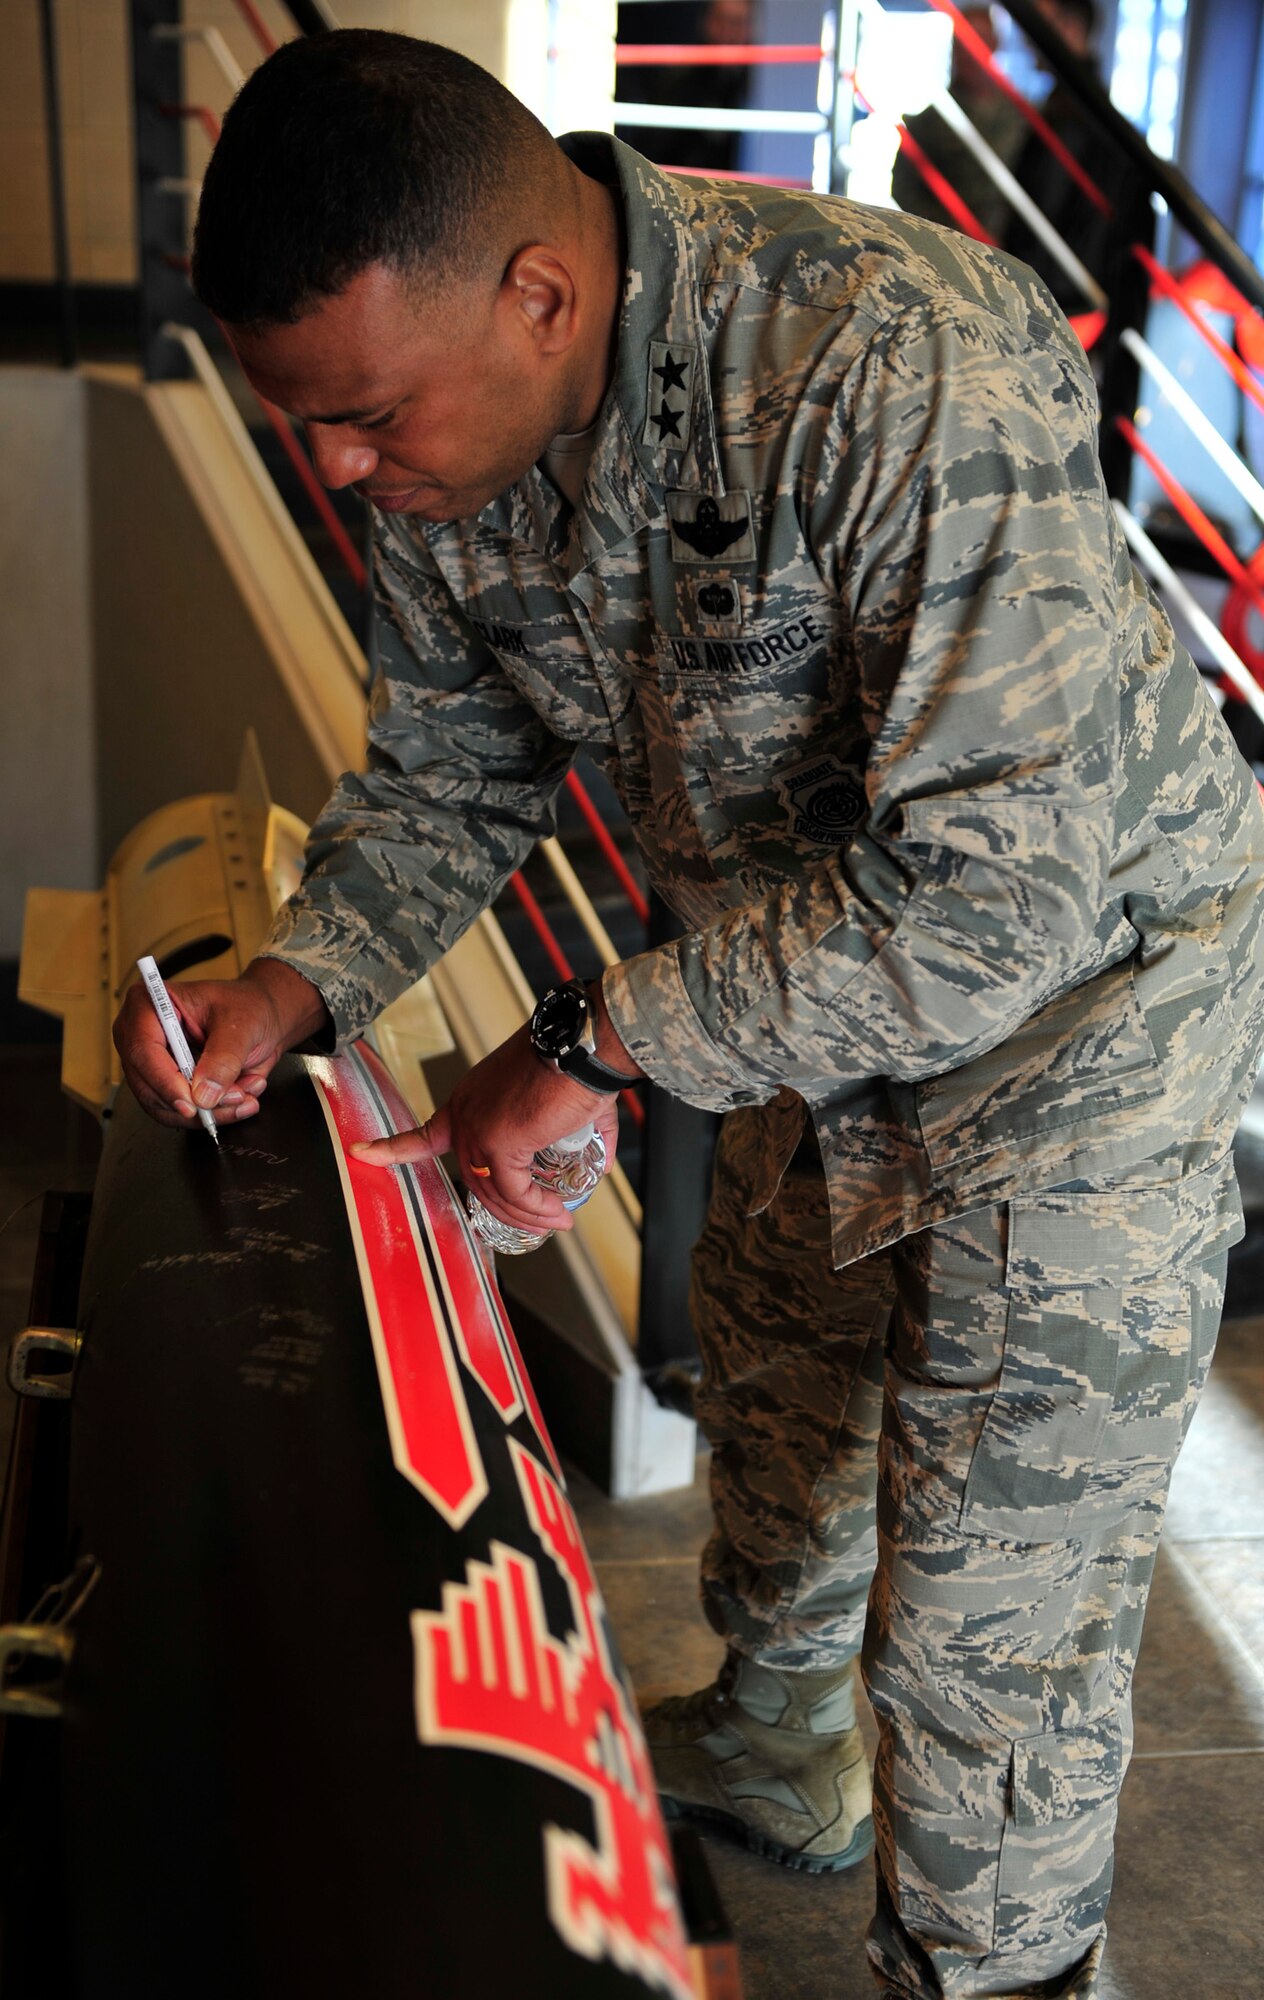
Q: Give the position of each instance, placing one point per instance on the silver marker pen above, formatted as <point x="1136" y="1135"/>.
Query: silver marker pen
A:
<point x="173" y="1029"/>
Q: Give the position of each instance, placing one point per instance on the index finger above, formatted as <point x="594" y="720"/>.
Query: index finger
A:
<point x="424" y="1142"/>
<point x="147" y="1062"/>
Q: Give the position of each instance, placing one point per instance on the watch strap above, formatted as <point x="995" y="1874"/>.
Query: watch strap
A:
<point x="594" y="1074"/>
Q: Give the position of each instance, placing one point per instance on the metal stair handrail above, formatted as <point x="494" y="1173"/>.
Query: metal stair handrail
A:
<point x="1161" y="177"/>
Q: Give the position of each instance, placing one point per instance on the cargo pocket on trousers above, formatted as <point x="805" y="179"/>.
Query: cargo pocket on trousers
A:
<point x="1055" y="1870"/>
<point x="1041" y="1438"/>
<point x="1114" y="1295"/>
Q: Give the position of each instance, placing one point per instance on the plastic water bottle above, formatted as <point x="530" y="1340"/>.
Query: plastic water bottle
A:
<point x="571" y="1167"/>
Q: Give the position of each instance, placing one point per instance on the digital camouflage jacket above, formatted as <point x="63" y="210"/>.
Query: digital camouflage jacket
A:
<point x="966" y="857"/>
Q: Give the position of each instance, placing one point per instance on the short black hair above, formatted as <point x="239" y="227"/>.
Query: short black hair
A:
<point x="351" y="148"/>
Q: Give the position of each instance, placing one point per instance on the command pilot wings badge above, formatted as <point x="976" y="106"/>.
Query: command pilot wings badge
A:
<point x="704" y="529"/>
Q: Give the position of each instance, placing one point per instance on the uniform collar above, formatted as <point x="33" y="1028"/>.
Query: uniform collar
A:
<point x="656" y="428"/>
<point x="661" y="310"/>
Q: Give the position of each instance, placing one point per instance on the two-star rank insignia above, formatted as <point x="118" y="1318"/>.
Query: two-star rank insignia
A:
<point x="704" y="529"/>
<point x="668" y="395"/>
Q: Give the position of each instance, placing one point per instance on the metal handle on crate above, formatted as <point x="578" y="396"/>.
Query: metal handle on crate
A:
<point x="30" y="1356"/>
<point x="44" y="1640"/>
<point x="22" y="1646"/>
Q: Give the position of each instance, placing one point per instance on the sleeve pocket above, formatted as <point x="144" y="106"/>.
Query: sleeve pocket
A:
<point x="1080" y="1060"/>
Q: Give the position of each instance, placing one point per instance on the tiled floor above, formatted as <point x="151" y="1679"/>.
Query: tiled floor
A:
<point x="1188" y="1912"/>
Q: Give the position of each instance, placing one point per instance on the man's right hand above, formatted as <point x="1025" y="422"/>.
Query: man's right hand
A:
<point x="243" y="1027"/>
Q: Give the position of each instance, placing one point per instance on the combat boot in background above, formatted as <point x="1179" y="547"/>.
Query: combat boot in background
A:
<point x="772" y="1758"/>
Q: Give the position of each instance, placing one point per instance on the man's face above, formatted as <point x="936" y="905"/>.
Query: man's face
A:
<point x="1071" y="23"/>
<point x="429" y="410"/>
<point x="969" y="80"/>
<point x="728" y="21"/>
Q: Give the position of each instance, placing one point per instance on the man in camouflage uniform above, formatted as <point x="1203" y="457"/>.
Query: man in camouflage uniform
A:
<point x="969" y="871"/>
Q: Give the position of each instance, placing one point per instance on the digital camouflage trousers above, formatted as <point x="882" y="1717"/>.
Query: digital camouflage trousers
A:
<point x="952" y="1459"/>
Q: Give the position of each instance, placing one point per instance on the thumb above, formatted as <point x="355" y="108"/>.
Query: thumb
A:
<point x="425" y="1143"/>
<point x="607" y="1122"/>
<point x="221" y="1062"/>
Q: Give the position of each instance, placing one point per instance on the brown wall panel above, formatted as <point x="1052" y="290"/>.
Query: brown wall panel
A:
<point x="47" y="807"/>
<point x="182" y="668"/>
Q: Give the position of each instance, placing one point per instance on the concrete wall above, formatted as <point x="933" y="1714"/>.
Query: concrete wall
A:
<point x="47" y="766"/>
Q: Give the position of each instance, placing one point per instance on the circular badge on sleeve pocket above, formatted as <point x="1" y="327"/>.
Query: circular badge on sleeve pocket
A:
<point x="824" y="798"/>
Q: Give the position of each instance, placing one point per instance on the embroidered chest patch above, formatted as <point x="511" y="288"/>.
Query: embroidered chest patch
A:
<point x="824" y="798"/>
<point x="718" y="604"/>
<point x="704" y="529"/>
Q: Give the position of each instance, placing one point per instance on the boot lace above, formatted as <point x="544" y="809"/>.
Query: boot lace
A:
<point x="683" y="1713"/>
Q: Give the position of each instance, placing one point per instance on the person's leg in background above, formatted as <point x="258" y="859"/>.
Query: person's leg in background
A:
<point x="1044" y="1361"/>
<point x="791" y="1400"/>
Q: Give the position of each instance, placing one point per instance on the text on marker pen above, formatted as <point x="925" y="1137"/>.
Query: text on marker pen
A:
<point x="173" y="1029"/>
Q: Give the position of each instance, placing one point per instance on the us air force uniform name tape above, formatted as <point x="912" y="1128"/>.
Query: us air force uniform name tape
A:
<point x="681" y="653"/>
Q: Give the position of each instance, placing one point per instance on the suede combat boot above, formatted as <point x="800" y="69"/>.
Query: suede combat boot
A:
<point x="773" y="1759"/>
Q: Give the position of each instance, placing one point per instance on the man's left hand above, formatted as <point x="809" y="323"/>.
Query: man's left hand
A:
<point x="500" y="1115"/>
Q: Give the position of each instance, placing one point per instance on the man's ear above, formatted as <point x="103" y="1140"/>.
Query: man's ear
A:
<point x="539" y="287"/>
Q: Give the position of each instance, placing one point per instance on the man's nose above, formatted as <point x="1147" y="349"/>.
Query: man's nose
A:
<point x="339" y="457"/>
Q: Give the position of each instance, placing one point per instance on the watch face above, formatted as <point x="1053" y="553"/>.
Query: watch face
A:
<point x="558" y="1022"/>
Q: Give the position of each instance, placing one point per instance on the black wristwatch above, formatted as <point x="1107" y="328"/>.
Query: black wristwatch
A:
<point x="563" y="1036"/>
